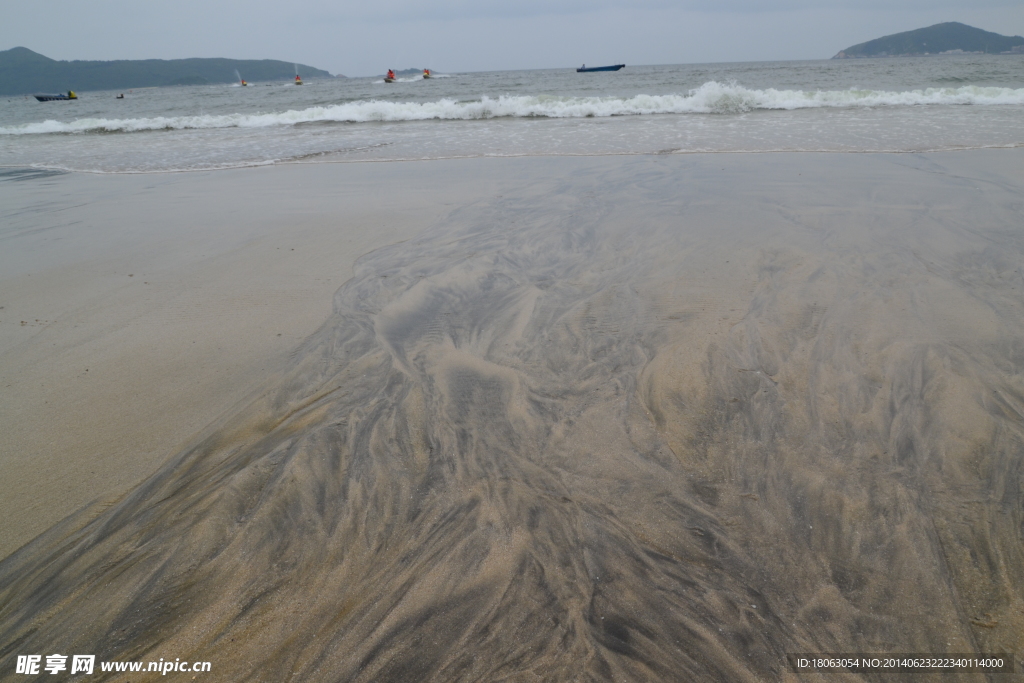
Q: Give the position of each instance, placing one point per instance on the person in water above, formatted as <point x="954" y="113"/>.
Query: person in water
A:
<point x="391" y="73"/>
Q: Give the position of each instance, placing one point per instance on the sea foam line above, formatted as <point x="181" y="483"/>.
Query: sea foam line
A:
<point x="710" y="98"/>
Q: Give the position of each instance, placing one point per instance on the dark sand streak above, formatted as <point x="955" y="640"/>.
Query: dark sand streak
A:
<point x="665" y="418"/>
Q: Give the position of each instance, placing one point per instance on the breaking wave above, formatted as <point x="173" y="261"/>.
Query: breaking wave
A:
<point x="710" y="98"/>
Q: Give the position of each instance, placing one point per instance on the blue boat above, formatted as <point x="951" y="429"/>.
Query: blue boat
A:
<point x="46" y="97"/>
<point x="585" y="68"/>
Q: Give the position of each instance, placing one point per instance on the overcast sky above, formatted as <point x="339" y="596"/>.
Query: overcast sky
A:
<point x="360" y="38"/>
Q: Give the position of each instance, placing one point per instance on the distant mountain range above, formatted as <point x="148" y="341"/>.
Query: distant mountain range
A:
<point x="23" y="71"/>
<point x="950" y="37"/>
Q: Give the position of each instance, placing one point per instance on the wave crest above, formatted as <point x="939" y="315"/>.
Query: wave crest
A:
<point x="710" y="98"/>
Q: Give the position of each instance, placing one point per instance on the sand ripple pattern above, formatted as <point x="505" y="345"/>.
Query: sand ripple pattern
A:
<point x="612" y="426"/>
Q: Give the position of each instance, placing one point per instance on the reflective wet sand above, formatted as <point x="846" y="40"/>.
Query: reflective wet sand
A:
<point x="660" y="418"/>
<point x="137" y="309"/>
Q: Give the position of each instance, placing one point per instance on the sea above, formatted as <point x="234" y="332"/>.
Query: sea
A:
<point x="918" y="104"/>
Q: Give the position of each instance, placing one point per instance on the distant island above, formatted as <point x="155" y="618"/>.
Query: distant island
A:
<point x="23" y="71"/>
<point x="949" y="38"/>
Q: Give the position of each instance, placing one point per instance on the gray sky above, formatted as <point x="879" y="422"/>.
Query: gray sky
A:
<point x="364" y="38"/>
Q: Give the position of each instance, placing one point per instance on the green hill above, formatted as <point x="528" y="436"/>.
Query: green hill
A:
<point x="23" y="71"/>
<point x="933" y="40"/>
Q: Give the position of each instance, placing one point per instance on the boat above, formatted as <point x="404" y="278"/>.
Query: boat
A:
<point x="427" y="74"/>
<point x="45" y="97"/>
<point x="298" y="80"/>
<point x="389" y="80"/>
<point x="587" y="69"/>
<point x="244" y="83"/>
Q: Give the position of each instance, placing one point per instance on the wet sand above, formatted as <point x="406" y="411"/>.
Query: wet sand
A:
<point x="152" y="304"/>
<point x="636" y="418"/>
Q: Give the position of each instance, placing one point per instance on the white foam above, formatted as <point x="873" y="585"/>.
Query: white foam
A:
<point x="710" y="98"/>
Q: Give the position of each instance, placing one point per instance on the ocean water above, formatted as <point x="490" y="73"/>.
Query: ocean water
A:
<point x="921" y="104"/>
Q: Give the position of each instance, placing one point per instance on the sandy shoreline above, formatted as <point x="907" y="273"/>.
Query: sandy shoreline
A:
<point x="153" y="303"/>
<point x="611" y="418"/>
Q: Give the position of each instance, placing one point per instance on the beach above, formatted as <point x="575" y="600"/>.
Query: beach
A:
<point x="641" y="417"/>
<point x="137" y="308"/>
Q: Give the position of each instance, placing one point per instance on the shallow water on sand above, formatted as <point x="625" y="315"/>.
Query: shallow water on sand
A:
<point x="615" y="424"/>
